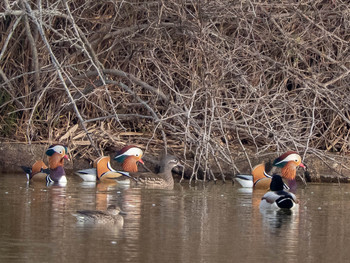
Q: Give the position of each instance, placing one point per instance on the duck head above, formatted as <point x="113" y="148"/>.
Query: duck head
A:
<point x="115" y="210"/>
<point x="129" y="156"/>
<point x="288" y="162"/>
<point x="168" y="163"/>
<point x="57" y="153"/>
<point x="130" y="150"/>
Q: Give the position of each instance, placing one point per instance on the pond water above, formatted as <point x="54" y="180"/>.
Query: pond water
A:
<point x="203" y="223"/>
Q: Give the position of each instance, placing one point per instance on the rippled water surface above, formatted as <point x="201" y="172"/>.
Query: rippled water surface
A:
<point x="203" y="223"/>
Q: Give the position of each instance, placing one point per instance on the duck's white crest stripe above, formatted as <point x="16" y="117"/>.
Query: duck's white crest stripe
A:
<point x="132" y="151"/>
<point x="59" y="148"/>
<point x="291" y="157"/>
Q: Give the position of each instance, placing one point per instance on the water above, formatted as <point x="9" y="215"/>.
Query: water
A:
<point x="205" y="223"/>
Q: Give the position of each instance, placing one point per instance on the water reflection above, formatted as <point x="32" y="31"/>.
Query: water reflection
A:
<point x="199" y="223"/>
<point x="281" y="228"/>
<point x="281" y="221"/>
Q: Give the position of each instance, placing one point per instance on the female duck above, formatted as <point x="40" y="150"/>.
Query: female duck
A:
<point x="162" y="180"/>
<point x="113" y="215"/>
<point x="55" y="172"/>
<point x="277" y="198"/>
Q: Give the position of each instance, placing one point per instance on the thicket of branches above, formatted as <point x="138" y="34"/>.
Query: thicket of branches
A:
<point x="206" y="79"/>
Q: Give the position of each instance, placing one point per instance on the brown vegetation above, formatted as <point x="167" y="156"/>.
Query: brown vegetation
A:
<point x="201" y="78"/>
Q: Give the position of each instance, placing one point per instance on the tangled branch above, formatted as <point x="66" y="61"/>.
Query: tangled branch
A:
<point x="214" y="81"/>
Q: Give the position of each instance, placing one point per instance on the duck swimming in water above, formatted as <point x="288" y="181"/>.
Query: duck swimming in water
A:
<point x="259" y="179"/>
<point x="101" y="171"/>
<point x="113" y="215"/>
<point x="278" y="198"/>
<point x="161" y="180"/>
<point x="55" y="172"/>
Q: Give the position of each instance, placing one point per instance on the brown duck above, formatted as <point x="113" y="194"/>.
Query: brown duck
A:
<point x="113" y="215"/>
<point x="163" y="179"/>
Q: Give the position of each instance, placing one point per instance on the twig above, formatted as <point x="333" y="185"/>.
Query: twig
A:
<point x="59" y="72"/>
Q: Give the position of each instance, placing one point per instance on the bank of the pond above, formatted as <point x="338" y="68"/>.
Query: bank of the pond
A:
<point x="13" y="155"/>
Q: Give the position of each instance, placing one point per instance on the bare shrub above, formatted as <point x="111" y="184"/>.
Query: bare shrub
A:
<point x="204" y="79"/>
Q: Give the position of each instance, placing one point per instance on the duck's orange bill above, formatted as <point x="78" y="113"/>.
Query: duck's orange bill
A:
<point x="66" y="157"/>
<point x="302" y="165"/>
<point x="141" y="161"/>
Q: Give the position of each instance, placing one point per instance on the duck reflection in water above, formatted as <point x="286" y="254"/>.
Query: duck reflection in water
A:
<point x="276" y="219"/>
<point x="280" y="210"/>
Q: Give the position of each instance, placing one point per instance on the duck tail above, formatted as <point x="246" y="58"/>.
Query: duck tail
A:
<point x="245" y="180"/>
<point x="127" y="175"/>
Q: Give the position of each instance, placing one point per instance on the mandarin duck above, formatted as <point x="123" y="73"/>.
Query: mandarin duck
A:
<point x="113" y="215"/>
<point x="129" y="156"/>
<point x="278" y="198"/>
<point x="259" y="179"/>
<point x="55" y="172"/>
<point x="101" y="171"/>
<point x="163" y="179"/>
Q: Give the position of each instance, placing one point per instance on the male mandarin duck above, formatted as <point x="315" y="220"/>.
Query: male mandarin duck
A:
<point x="277" y="198"/>
<point x="113" y="215"/>
<point x="129" y="156"/>
<point x="259" y="179"/>
<point x="163" y="179"/>
<point x="55" y="172"/>
<point x="101" y="171"/>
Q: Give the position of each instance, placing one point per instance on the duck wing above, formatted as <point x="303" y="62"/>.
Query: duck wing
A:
<point x="90" y="213"/>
